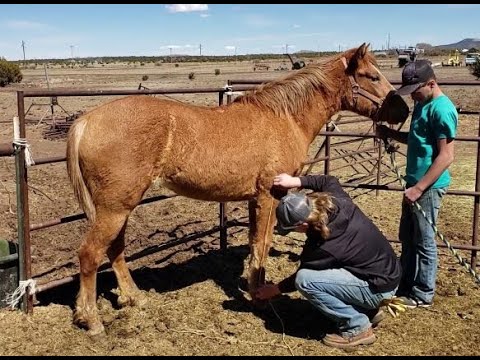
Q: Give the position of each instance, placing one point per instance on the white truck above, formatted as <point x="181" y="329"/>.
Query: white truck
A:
<point x="471" y="59"/>
<point x="406" y="55"/>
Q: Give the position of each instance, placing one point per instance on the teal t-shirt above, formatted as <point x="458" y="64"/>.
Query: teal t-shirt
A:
<point x="434" y="120"/>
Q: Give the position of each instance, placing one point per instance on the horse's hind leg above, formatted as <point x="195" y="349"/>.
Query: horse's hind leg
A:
<point x="129" y="294"/>
<point x="104" y="230"/>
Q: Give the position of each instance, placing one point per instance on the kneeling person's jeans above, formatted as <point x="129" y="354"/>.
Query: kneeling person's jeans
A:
<point x="340" y="296"/>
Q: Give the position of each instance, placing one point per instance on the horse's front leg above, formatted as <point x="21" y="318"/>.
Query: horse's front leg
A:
<point x="260" y="237"/>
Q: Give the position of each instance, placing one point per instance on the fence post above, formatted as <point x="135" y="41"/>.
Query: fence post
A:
<point x="23" y="218"/>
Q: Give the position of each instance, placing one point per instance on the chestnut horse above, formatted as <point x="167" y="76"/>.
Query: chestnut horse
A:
<point x="225" y="153"/>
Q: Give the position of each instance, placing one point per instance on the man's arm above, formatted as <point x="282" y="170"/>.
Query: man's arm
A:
<point x="383" y="132"/>
<point x="269" y="291"/>
<point x="323" y="183"/>
<point x="319" y="183"/>
<point x="440" y="164"/>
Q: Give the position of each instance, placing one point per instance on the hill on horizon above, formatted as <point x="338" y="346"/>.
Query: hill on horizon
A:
<point x="467" y="43"/>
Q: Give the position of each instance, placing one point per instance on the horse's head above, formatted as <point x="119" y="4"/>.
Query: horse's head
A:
<point x="370" y="93"/>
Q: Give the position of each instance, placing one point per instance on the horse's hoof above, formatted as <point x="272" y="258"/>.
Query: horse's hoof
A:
<point x="96" y="330"/>
<point x="94" y="327"/>
<point x="126" y="300"/>
<point x="133" y="299"/>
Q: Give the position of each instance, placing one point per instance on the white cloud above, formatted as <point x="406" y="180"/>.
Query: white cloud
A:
<point x="230" y="47"/>
<point x="204" y="15"/>
<point x="174" y="8"/>
<point x="296" y="26"/>
<point x="25" y="24"/>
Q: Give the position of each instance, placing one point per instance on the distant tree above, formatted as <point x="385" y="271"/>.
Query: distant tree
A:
<point x="9" y="73"/>
<point x="472" y="49"/>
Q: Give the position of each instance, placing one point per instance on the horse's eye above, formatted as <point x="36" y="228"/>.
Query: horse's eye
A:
<point x="375" y="78"/>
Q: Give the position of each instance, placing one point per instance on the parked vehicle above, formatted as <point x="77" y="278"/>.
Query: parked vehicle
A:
<point x="406" y="55"/>
<point x="471" y="59"/>
<point x="454" y="59"/>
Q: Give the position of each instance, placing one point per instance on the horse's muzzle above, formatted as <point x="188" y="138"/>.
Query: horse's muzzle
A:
<point x="394" y="110"/>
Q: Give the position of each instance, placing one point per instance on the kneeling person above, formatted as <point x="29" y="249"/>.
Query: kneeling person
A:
<point x="347" y="265"/>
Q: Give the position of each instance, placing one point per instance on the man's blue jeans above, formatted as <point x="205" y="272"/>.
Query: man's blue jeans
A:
<point x="340" y="296"/>
<point x="419" y="249"/>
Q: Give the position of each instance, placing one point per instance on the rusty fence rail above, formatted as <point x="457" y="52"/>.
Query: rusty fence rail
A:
<point x="23" y="218"/>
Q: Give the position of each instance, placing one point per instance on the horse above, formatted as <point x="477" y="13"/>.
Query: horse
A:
<point x="224" y="153"/>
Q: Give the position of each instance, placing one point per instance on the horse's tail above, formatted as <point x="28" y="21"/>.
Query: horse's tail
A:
<point x="75" y="172"/>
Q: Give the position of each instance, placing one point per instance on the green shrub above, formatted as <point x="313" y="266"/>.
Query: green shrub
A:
<point x="144" y="77"/>
<point x="217" y="71"/>
<point x="191" y="76"/>
<point x="9" y="73"/>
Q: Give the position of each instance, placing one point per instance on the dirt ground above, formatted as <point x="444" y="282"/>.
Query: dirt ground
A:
<point x="195" y="298"/>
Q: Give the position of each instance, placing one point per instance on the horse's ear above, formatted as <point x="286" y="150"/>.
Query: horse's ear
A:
<point x="361" y="51"/>
<point x="357" y="56"/>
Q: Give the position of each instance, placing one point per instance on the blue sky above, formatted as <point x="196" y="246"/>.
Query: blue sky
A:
<point x="60" y="31"/>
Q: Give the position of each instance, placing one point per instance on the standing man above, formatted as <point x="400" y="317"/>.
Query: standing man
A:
<point x="429" y="154"/>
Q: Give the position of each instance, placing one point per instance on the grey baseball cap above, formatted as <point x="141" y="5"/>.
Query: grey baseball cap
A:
<point x="414" y="75"/>
<point x="292" y="211"/>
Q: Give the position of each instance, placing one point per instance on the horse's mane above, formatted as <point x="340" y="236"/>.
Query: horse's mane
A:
<point x="291" y="94"/>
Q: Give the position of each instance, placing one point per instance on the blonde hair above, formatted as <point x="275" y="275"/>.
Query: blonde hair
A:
<point x="323" y="206"/>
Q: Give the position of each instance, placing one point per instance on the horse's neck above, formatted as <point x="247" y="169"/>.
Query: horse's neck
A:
<point x="322" y="109"/>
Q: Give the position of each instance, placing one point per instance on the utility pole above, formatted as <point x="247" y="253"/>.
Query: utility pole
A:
<point x="23" y="47"/>
<point x="200" y="47"/>
<point x="286" y="48"/>
<point x="170" y="54"/>
<point x="71" y="50"/>
<point x="388" y="42"/>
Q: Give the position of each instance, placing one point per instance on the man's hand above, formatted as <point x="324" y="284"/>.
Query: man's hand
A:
<point x="412" y="194"/>
<point x="267" y="291"/>
<point x="286" y="181"/>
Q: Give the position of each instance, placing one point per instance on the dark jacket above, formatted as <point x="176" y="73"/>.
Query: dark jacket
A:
<point x="355" y="243"/>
